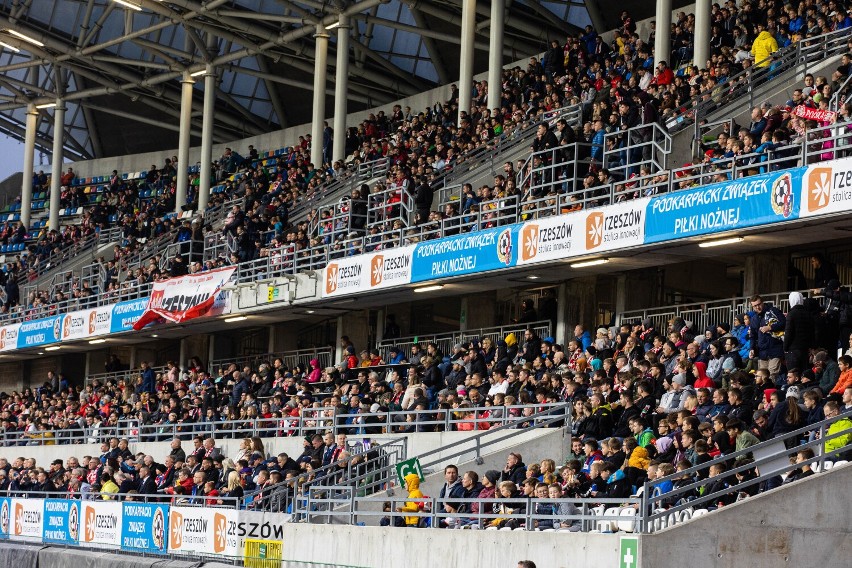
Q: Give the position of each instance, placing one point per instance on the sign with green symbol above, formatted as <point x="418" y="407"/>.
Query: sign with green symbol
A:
<point x="629" y="553"/>
<point x="407" y="467"/>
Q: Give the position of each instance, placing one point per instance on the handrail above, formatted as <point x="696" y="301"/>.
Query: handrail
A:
<point x="289" y="358"/>
<point x="818" y="443"/>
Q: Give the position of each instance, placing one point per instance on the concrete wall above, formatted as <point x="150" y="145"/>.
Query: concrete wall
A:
<point x="385" y="547"/>
<point x="805" y="524"/>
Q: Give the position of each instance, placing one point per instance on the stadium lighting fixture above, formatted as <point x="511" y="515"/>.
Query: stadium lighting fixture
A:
<point x="721" y="242"/>
<point x="54" y="348"/>
<point x="235" y="318"/>
<point x="586" y="263"/>
<point x="128" y="5"/>
<point x="96" y="341"/>
<point x="46" y="105"/>
<point x="309" y="311"/>
<point x="25" y="37"/>
<point x="154" y="335"/>
<point x="429" y="288"/>
<point x="10" y="47"/>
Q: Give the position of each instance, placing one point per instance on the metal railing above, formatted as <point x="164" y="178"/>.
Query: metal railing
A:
<point x="705" y="314"/>
<point x="446" y="341"/>
<point x="744" y="85"/>
<point x="336" y="188"/>
<point x="290" y="359"/>
<point x="117" y="376"/>
<point x="769" y="459"/>
<point x="309" y="421"/>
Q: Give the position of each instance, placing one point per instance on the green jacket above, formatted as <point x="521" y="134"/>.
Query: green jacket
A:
<point x="832" y="446"/>
<point x="746" y="440"/>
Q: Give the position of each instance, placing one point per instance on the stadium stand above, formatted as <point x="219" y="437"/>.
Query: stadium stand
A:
<point x="669" y="415"/>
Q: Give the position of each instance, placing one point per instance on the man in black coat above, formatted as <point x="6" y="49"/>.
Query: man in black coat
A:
<point x="798" y="333"/>
<point x="147" y="483"/>
<point x="423" y="197"/>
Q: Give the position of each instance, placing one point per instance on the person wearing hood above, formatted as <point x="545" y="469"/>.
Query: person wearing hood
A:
<point x="415" y="496"/>
<point x="798" y="333"/>
<point x="396" y="356"/>
<point x="316" y="373"/>
<point x="502" y="360"/>
<point x="763" y="47"/>
<point x="740" y="331"/>
<point x="702" y="380"/>
<point x="648" y="334"/>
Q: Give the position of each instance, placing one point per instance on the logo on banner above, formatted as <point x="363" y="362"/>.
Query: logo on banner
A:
<point x="158" y="529"/>
<point x="220" y="532"/>
<point x="73" y="522"/>
<point x="529" y="242"/>
<point x="4" y="517"/>
<point x="818" y="188"/>
<point x="594" y="230"/>
<point x="504" y="247"/>
<point x="782" y="196"/>
<point x="331" y="278"/>
<point x="377" y="270"/>
<point x="3" y="340"/>
<point x="93" y="318"/>
<point x="176" y="522"/>
<point x="89" y="524"/>
<point x="57" y="328"/>
<point x="19" y="519"/>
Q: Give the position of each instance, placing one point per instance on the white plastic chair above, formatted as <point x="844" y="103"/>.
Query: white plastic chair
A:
<point x="610" y="526"/>
<point x="699" y="513"/>
<point x="627" y="522"/>
<point x="684" y="515"/>
<point x="840" y="462"/>
<point x="827" y="466"/>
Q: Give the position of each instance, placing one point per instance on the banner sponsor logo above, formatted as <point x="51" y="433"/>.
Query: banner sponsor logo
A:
<point x="101" y="524"/>
<point x="548" y="239"/>
<point x="28" y="520"/>
<point x="61" y="521"/>
<point x="5" y="516"/>
<point x="616" y="226"/>
<point x="9" y="337"/>
<point x="125" y="314"/>
<point x="144" y="527"/>
<point x="40" y="332"/>
<point x="185" y="297"/>
<point x="75" y="325"/>
<point x="391" y="268"/>
<point x="100" y="320"/>
<point x="827" y="188"/>
<point x="367" y="272"/>
<point x="204" y="531"/>
<point x="490" y="249"/>
<point x="747" y="202"/>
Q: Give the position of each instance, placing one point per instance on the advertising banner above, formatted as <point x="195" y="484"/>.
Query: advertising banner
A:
<point x="471" y="253"/>
<point x="756" y="200"/>
<point x="101" y="522"/>
<point x="27" y="520"/>
<point x="204" y="530"/>
<point x="125" y="314"/>
<point x="551" y="238"/>
<point x="391" y="267"/>
<point x="5" y="517"/>
<point x="827" y="188"/>
<point x="144" y="527"/>
<point x="616" y="226"/>
<point x="84" y="324"/>
<point x="40" y="332"/>
<point x="185" y="297"/>
<point x="61" y="521"/>
<point x="9" y="337"/>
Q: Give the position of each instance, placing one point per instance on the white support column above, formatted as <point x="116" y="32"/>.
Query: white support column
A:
<point x="320" y="70"/>
<point x="468" y="31"/>
<point x="663" y="32"/>
<point x="562" y="330"/>
<point x="495" y="53"/>
<point x="380" y="325"/>
<point x="205" y="181"/>
<point x="338" y="350"/>
<point x="341" y="89"/>
<point x="702" y="33"/>
<point x="29" y="156"/>
<point x="56" y="166"/>
<point x="182" y="356"/>
<point x="186" y="85"/>
<point x="211" y="354"/>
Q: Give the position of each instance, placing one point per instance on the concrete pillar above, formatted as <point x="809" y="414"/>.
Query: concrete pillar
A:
<point x="270" y="339"/>
<point x="338" y="350"/>
<point x="341" y="89"/>
<point x="182" y="354"/>
<point x="87" y="368"/>
<point x="562" y="329"/>
<point x="56" y="166"/>
<point x="702" y="33"/>
<point x="764" y="274"/>
<point x="495" y="53"/>
<point x="463" y="314"/>
<point x="29" y="156"/>
<point x="663" y="32"/>
<point x="320" y="70"/>
<point x="186" y="85"/>
<point x="380" y="325"/>
<point x="620" y="294"/>
<point x="211" y="355"/>
<point x="205" y="181"/>
<point x="468" y="31"/>
<point x="132" y="362"/>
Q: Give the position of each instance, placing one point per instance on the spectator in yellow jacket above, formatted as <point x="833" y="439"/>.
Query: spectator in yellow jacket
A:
<point x="763" y="47"/>
<point x="833" y="445"/>
<point x="412" y="485"/>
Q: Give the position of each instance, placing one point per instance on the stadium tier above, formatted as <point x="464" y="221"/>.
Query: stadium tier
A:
<point x="550" y="314"/>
